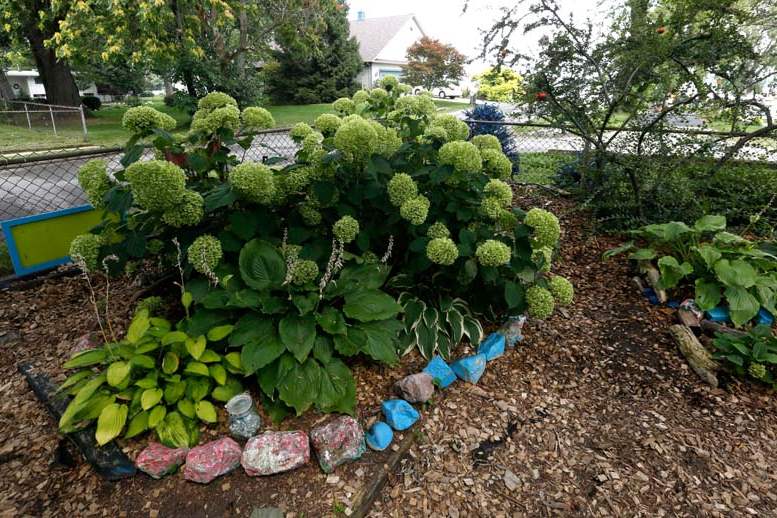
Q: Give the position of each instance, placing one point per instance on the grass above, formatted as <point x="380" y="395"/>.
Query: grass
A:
<point x="104" y="125"/>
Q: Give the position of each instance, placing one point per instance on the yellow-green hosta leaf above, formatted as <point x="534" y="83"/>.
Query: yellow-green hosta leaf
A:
<point x="234" y="363"/>
<point x="207" y="412"/>
<point x="143" y="361"/>
<point x="75" y="378"/>
<point x="170" y="362"/>
<point x="156" y="415"/>
<point x="150" y="397"/>
<point x="219" y="333"/>
<point x="196" y="368"/>
<point x="196" y="347"/>
<point x="210" y="356"/>
<point x="218" y="373"/>
<point x="80" y="400"/>
<point x="186" y="407"/>
<point x="137" y="425"/>
<point x="86" y="358"/>
<point x="147" y="347"/>
<point x="186" y="299"/>
<point x="110" y="423"/>
<point x="138" y="327"/>
<point x="174" y="337"/>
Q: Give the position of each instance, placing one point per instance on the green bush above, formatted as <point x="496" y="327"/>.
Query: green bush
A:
<point x="306" y="260"/>
<point x="542" y="168"/>
<point x="6" y="267"/>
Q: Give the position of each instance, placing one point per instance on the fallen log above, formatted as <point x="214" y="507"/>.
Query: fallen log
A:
<point x="694" y="352"/>
<point x="714" y="327"/>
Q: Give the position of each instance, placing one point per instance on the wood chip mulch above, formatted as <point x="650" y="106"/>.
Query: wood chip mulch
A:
<point x="595" y="414"/>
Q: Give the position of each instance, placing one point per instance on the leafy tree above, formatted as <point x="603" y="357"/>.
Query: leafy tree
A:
<point x="301" y="76"/>
<point x="500" y="84"/>
<point x="433" y="64"/>
<point x="33" y="23"/>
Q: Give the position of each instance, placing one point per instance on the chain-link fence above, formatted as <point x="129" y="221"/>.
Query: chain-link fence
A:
<point x="43" y="117"/>
<point x="39" y="181"/>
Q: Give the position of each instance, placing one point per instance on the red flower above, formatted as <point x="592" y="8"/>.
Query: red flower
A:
<point x="541" y="96"/>
<point x="661" y="30"/>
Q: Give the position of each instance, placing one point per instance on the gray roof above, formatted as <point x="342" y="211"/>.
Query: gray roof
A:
<point x="373" y="34"/>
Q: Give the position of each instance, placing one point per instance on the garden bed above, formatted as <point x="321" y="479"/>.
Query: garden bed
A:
<point x="605" y="416"/>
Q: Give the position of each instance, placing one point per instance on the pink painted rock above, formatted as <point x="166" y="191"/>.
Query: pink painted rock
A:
<point x="337" y="442"/>
<point x="416" y="388"/>
<point x="275" y="452"/>
<point x="205" y="463"/>
<point x="157" y="460"/>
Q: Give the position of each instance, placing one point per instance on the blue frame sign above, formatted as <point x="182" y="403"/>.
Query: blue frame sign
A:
<point x="41" y="242"/>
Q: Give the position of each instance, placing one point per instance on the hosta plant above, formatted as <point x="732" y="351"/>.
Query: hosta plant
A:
<point x="722" y="267"/>
<point x="752" y="355"/>
<point x="156" y="378"/>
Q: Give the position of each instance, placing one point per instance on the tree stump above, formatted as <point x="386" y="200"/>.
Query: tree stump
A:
<point x="697" y="356"/>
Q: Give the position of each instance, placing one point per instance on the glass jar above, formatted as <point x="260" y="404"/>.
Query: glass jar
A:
<point x="244" y="420"/>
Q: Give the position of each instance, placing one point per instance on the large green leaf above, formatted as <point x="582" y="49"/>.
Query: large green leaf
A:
<point x="219" y="332"/>
<point x="138" y="326"/>
<point x="174" y="337"/>
<point x="80" y="400"/>
<point x="300" y="386"/>
<point x="261" y="351"/>
<point x="218" y="373"/>
<point x="381" y="339"/>
<point x="270" y="376"/>
<point x="298" y="334"/>
<point x="177" y="432"/>
<point x="206" y="411"/>
<point x="643" y="254"/>
<point x="707" y="294"/>
<point x="672" y="271"/>
<point x="736" y="273"/>
<point x="348" y="345"/>
<point x="150" y="397"/>
<point x="370" y="305"/>
<point x="117" y="372"/>
<point x="170" y="362"/>
<point x="174" y="391"/>
<point x="155" y="415"/>
<point x="709" y="254"/>
<point x="196" y="346"/>
<point x="197" y="388"/>
<point x="110" y="423"/>
<point x="671" y="231"/>
<point x="250" y="327"/>
<point x="86" y="358"/>
<point x="337" y="392"/>
<point x="360" y="277"/>
<point x="710" y="223"/>
<point x="227" y="391"/>
<point x="513" y="294"/>
<point x="261" y="266"/>
<point x="143" y="361"/>
<point x="331" y="320"/>
<point x="742" y="305"/>
<point x="137" y="425"/>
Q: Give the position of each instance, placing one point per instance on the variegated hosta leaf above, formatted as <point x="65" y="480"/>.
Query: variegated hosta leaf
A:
<point x="426" y="337"/>
<point x="455" y="322"/>
<point x="414" y="312"/>
<point x="473" y="330"/>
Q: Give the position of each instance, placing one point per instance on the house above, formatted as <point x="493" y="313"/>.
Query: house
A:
<point x="383" y="44"/>
<point x="28" y="84"/>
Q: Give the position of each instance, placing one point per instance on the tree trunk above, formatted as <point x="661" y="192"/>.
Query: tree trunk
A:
<point x="6" y="92"/>
<point x="168" y="87"/>
<point x="56" y="76"/>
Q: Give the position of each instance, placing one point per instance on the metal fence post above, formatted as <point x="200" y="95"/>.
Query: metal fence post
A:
<point x="53" y="124"/>
<point x="83" y="123"/>
<point x="27" y="113"/>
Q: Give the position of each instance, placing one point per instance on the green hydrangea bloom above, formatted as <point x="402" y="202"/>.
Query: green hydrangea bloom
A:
<point x="540" y="302"/>
<point x="563" y="291"/>
<point x="404" y="88"/>
<point x="543" y="256"/>
<point x="496" y="164"/>
<point x="507" y="220"/>
<point x="435" y="134"/>
<point x="156" y="185"/>
<point x="389" y="83"/>
<point x="93" y="179"/>
<point x="344" y="106"/>
<point x="457" y="129"/>
<point x="487" y="142"/>
<point x="413" y="106"/>
<point x="401" y="188"/>
<point x="153" y="305"/>
<point x="378" y="95"/>
<point x="154" y="246"/>
<point x="303" y="272"/>
<point x="499" y="190"/>
<point x="356" y="138"/>
<point x="388" y="141"/>
<point x="438" y="229"/>
<point x="205" y="253"/>
<point x="142" y="120"/>
<point x="187" y="213"/>
<point x="415" y="209"/>
<point x="85" y="249"/>
<point x="312" y="142"/>
<point x="310" y="214"/>
<point x="361" y="96"/>
<point x="346" y="229"/>
<point x="216" y="100"/>
<point x="328" y="123"/>
<point x="256" y="119"/>
<point x="292" y="181"/>
<point x="545" y="225"/>
<point x="253" y="181"/>
<point x="370" y="257"/>
<point x="493" y="253"/>
<point x="757" y="370"/>
<point x="299" y="131"/>
<point x="442" y="250"/>
<point x="463" y="156"/>
<point x="491" y="207"/>
<point x="227" y="117"/>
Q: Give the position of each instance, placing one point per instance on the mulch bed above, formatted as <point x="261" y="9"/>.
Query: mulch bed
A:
<point x="594" y="414"/>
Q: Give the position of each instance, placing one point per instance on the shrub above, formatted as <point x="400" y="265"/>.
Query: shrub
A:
<point x="132" y="101"/>
<point x="92" y="102"/>
<point x="6" y="266"/>
<point x="491" y="112"/>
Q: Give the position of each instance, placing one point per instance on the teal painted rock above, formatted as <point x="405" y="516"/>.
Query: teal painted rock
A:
<point x="493" y="346"/>
<point x="718" y="314"/>
<point x="400" y="414"/>
<point x="440" y="372"/>
<point x="764" y="318"/>
<point x="470" y="368"/>
<point x="379" y="436"/>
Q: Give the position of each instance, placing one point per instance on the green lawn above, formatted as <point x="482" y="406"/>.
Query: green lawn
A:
<point x="105" y="125"/>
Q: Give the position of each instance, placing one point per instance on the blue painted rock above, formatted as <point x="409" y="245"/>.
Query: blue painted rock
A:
<point x="650" y="294"/>
<point x="512" y="330"/>
<point x="440" y="372"/>
<point x="470" y="368"/>
<point x="379" y="436"/>
<point x="338" y="442"/>
<point x="673" y="304"/>
<point x="416" y="388"/>
<point x="764" y="318"/>
<point x="718" y="314"/>
<point x="493" y="346"/>
<point x="400" y="414"/>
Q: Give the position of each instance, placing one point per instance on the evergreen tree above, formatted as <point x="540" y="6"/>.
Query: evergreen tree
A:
<point x="302" y="76"/>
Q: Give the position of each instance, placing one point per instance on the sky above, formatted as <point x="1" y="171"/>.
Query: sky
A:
<point x="444" y="20"/>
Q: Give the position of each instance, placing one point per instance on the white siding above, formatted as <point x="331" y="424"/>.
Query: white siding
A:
<point x="396" y="49"/>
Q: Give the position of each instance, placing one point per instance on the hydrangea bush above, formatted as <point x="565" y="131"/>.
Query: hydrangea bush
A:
<point x="306" y="260"/>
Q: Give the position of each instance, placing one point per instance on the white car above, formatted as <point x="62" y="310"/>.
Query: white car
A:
<point x="448" y="92"/>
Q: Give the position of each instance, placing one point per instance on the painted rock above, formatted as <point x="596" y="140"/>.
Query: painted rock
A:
<point x="440" y="372"/>
<point x="338" y="442"/>
<point x="764" y="318"/>
<point x="400" y="414"/>
<point x="651" y="295"/>
<point x="416" y="388"/>
<point x="275" y="452"/>
<point x="470" y="368"/>
<point x="512" y="330"/>
<point x="492" y="347"/>
<point x="379" y="436"/>
<point x="157" y="460"/>
<point x="211" y="460"/>
<point x="718" y="314"/>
